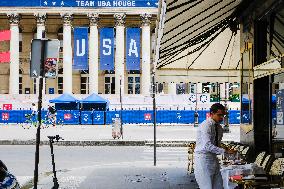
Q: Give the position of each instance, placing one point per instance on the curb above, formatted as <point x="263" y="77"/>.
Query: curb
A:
<point x="101" y="143"/>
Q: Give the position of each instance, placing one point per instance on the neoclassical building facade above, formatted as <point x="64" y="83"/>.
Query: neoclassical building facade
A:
<point x="58" y="22"/>
<point x="27" y="23"/>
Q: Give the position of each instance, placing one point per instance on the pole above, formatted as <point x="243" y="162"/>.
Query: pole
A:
<point x="120" y="99"/>
<point x="226" y="118"/>
<point x="55" y="181"/>
<point x="154" y="118"/>
<point x="218" y="92"/>
<point x="270" y="115"/>
<point x="39" y="113"/>
<point x="195" y="113"/>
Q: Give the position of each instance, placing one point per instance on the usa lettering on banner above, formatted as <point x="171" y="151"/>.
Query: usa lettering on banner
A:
<point x="106" y="49"/>
<point x="80" y="48"/>
<point x="133" y="48"/>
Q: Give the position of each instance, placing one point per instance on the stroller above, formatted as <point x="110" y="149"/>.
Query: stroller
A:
<point x="116" y="128"/>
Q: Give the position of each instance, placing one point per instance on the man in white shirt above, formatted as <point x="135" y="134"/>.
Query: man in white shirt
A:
<point x="209" y="136"/>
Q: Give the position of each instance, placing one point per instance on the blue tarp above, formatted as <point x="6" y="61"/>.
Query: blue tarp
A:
<point x="65" y="102"/>
<point x="94" y="98"/>
<point x="94" y="102"/>
<point x="64" y="98"/>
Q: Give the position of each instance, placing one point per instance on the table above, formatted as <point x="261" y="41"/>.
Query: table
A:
<point x="231" y="170"/>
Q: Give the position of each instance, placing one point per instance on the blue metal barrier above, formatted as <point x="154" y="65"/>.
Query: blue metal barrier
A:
<point x="128" y="116"/>
<point x="99" y="117"/>
<point x="69" y="117"/>
<point x="86" y="117"/>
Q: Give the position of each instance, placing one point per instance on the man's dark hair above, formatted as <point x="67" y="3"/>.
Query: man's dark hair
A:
<point x="215" y="107"/>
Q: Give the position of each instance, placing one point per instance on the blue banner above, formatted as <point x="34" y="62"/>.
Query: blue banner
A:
<point x="133" y="48"/>
<point x="80" y="48"/>
<point x="106" y="49"/>
<point x="79" y="3"/>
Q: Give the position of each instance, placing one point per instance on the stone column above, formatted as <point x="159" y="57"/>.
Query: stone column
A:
<point x="93" y="54"/>
<point x="146" y="50"/>
<point x="40" y="24"/>
<point x="172" y="88"/>
<point x="119" y="53"/>
<point x="14" y="20"/>
<point x="67" y="53"/>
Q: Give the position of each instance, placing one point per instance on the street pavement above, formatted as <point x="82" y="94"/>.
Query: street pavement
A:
<point x="82" y="134"/>
<point x="169" y="173"/>
<point x="102" y="167"/>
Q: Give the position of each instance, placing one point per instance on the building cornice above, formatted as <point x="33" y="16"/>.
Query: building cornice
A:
<point x="79" y="11"/>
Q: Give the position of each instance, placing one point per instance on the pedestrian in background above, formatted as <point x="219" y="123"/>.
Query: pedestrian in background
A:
<point x="51" y="114"/>
<point x="209" y="136"/>
<point x="34" y="109"/>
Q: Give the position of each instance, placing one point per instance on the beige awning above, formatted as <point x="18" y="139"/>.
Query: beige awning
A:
<point x="192" y="29"/>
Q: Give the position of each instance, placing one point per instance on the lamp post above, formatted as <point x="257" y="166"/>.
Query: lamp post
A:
<point x="120" y="100"/>
<point x="226" y="116"/>
<point x="154" y="114"/>
<point x="196" y="112"/>
<point x="43" y="50"/>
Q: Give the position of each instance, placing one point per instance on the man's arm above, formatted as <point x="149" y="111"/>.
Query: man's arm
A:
<point x="208" y="146"/>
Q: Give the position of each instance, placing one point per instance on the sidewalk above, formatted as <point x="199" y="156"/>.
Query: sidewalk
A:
<point x="124" y="176"/>
<point x="101" y="134"/>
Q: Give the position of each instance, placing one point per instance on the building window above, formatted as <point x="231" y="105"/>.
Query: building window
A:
<point x="180" y="88"/>
<point x="192" y="87"/>
<point x="160" y="87"/>
<point x="109" y="84"/>
<point x="206" y="87"/>
<point x="20" y="40"/>
<point x="84" y="82"/>
<point x="60" y="81"/>
<point x="84" y="85"/>
<point x="60" y="85"/>
<point x="60" y="38"/>
<point x="20" y="82"/>
<point x="133" y="84"/>
<point x="34" y="84"/>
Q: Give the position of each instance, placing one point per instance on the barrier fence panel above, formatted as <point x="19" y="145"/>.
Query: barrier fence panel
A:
<point x="69" y="117"/>
<point x="234" y="116"/>
<point x="86" y="117"/>
<point x="128" y="116"/>
<point x="99" y="117"/>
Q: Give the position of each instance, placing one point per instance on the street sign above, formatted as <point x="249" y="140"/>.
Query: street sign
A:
<point x="35" y="58"/>
<point x="50" y="60"/>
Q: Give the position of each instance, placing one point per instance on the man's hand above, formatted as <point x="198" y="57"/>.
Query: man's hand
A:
<point x="230" y="151"/>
